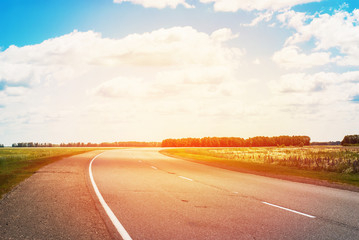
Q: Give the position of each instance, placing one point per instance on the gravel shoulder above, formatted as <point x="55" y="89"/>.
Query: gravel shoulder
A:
<point x="55" y="203"/>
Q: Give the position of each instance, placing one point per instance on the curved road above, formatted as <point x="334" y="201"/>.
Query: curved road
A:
<point x="153" y="196"/>
<point x="157" y="197"/>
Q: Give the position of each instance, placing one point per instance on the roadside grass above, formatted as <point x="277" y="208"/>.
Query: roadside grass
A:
<point x="331" y="164"/>
<point x="17" y="164"/>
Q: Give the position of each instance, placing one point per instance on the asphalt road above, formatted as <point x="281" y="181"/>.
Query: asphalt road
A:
<point x="152" y="196"/>
<point x="157" y="197"/>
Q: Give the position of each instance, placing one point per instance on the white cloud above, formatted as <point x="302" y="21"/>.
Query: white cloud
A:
<point x="320" y="102"/>
<point x="256" y="61"/>
<point x="158" y="3"/>
<point x="249" y="5"/>
<point x="302" y="82"/>
<point x="184" y="83"/>
<point x="223" y="5"/>
<point x="338" y="31"/>
<point x="320" y="88"/>
<point x="100" y="83"/>
<point x="223" y="35"/>
<point x="291" y="57"/>
<point x="174" y="46"/>
<point x="266" y="16"/>
<point x="15" y="74"/>
<point x="15" y="91"/>
<point x="73" y="54"/>
<point x="120" y="87"/>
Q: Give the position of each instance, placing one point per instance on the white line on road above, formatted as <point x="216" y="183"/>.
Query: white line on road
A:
<point x="121" y="230"/>
<point x="154" y="167"/>
<point x="290" y="210"/>
<point x="186" y="178"/>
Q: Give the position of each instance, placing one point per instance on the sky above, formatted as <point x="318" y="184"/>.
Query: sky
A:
<point x="146" y="70"/>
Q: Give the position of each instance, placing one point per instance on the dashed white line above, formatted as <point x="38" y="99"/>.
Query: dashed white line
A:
<point x="154" y="167"/>
<point x="186" y="178"/>
<point x="121" y="230"/>
<point x="290" y="210"/>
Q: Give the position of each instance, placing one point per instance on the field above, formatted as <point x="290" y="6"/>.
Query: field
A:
<point x="333" y="164"/>
<point x="17" y="164"/>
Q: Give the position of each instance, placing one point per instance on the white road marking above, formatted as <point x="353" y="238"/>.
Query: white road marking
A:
<point x="235" y="192"/>
<point x="290" y="210"/>
<point x="121" y="230"/>
<point x="154" y="167"/>
<point x="186" y="178"/>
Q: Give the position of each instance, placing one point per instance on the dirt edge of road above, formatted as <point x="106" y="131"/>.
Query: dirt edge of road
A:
<point x="54" y="203"/>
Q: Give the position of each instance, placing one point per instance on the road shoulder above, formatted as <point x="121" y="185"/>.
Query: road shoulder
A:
<point x="54" y="203"/>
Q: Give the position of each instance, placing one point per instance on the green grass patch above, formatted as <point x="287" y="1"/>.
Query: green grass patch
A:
<point x="331" y="164"/>
<point x="17" y="164"/>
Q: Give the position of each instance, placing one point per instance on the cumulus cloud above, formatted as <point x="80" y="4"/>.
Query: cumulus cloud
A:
<point x="185" y="63"/>
<point x="120" y="87"/>
<point x="71" y="55"/>
<point x="291" y="57"/>
<point x="223" y="35"/>
<point x="158" y="3"/>
<point x="184" y="83"/>
<point x="223" y="5"/>
<point x="338" y="31"/>
<point x="152" y="48"/>
<point x="302" y="82"/>
<point x="249" y="5"/>
<point x="15" y="91"/>
<point x="318" y="88"/>
<point x="308" y="99"/>
<point x="100" y="83"/>
<point x="266" y="16"/>
<point x="256" y="61"/>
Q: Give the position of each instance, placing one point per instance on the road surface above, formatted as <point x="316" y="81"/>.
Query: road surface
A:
<point x="152" y="196"/>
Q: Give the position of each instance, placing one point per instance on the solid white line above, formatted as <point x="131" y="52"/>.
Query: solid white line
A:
<point x="186" y="178"/>
<point x="290" y="210"/>
<point x="121" y="230"/>
<point x="153" y="167"/>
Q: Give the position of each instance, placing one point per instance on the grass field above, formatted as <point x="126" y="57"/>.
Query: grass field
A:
<point x="334" y="164"/>
<point x="17" y="164"/>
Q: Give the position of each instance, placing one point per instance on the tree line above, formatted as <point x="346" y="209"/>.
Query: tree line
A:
<point x="259" y="141"/>
<point x="330" y="143"/>
<point x="81" y="144"/>
<point x="350" y="140"/>
<point x="1" y="145"/>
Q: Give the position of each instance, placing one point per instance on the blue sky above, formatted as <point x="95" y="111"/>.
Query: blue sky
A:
<point x="25" y="22"/>
<point x="103" y="70"/>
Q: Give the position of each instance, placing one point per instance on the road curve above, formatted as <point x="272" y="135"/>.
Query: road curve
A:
<point x="158" y="197"/>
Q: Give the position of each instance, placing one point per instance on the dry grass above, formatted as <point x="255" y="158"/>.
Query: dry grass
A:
<point x="333" y="163"/>
<point x="17" y="164"/>
<point x="331" y="159"/>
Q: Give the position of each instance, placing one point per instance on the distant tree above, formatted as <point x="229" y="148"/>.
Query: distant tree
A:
<point x="326" y="143"/>
<point x="350" y="140"/>
<point x="260" y="141"/>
